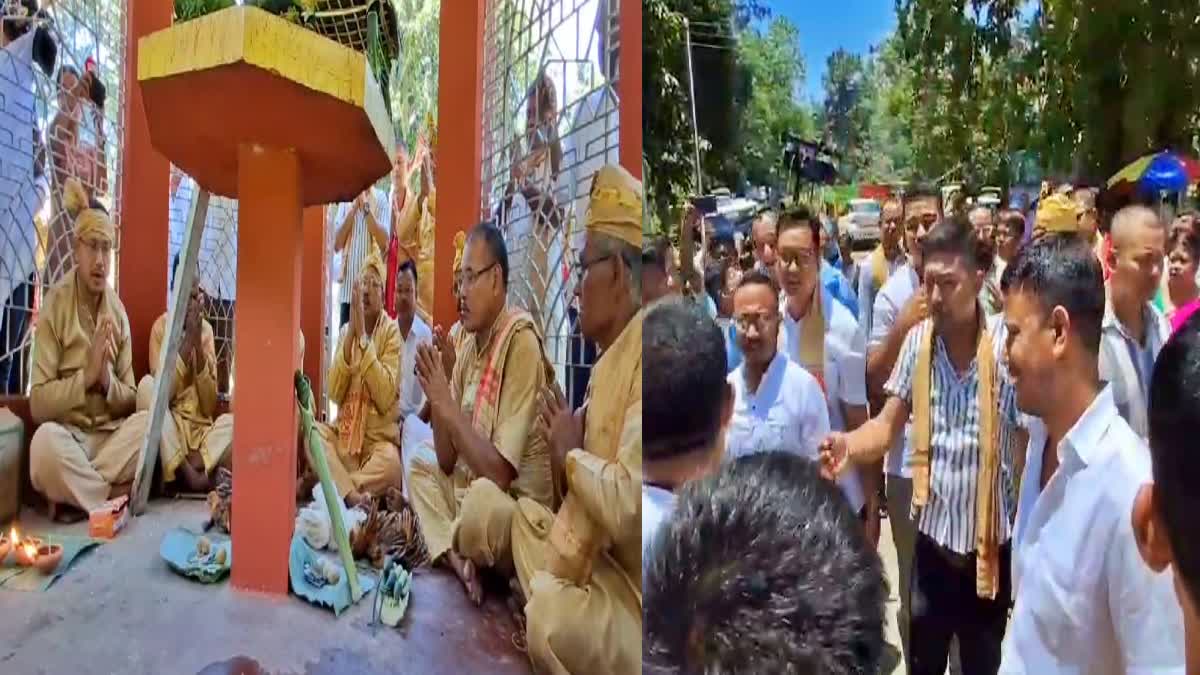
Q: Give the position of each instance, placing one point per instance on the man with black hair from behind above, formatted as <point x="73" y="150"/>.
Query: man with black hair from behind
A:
<point x="763" y="568"/>
<point x="1164" y="511"/>
<point x="687" y="405"/>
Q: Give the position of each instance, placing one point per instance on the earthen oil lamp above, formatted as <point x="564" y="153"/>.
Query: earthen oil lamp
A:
<point x="26" y="549"/>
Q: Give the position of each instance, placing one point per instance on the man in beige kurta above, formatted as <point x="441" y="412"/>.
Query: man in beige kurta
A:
<point x="86" y="447"/>
<point x="483" y="416"/>
<point x="362" y="446"/>
<point x="195" y="441"/>
<point x="583" y="607"/>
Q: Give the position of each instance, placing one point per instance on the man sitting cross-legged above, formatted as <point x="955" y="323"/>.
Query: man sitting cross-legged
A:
<point x="578" y="566"/>
<point x="86" y="449"/>
<point x="482" y="416"/>
<point x="194" y="440"/>
<point x="362" y="447"/>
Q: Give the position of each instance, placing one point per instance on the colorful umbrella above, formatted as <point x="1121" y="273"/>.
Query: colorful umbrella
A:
<point x="1160" y="171"/>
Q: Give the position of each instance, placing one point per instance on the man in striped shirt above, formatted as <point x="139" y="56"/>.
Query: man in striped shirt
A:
<point x="367" y="218"/>
<point x="951" y="381"/>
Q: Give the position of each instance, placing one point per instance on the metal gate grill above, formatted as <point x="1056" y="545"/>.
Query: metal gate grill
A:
<point x="550" y="121"/>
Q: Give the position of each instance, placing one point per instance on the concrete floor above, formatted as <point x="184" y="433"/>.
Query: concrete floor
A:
<point x="121" y="610"/>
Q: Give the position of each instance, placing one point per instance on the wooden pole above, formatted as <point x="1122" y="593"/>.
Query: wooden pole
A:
<point x="165" y="382"/>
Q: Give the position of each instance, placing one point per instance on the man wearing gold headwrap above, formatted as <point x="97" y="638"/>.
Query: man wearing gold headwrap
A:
<point x="86" y="448"/>
<point x="577" y="567"/>
<point x="482" y="415"/>
<point x="1056" y="213"/>
<point x="195" y="441"/>
<point x="362" y="446"/>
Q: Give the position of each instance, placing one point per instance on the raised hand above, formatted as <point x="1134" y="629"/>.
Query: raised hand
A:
<point x="357" y="318"/>
<point x="445" y="347"/>
<point x="432" y="377"/>
<point x="101" y="355"/>
<point x="914" y="311"/>
<point x="564" y="429"/>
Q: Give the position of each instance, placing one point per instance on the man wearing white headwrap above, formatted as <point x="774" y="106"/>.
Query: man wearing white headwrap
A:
<point x="83" y="395"/>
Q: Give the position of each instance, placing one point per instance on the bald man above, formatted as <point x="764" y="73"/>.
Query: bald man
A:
<point x="1134" y="330"/>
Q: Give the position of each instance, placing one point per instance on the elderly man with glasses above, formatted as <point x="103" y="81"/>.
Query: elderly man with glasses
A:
<point x="482" y="414"/>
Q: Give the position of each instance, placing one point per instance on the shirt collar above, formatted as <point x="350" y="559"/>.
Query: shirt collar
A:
<point x="1112" y="322"/>
<point x="1083" y="440"/>
<point x="774" y="369"/>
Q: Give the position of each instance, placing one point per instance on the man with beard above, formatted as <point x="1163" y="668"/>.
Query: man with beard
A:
<point x="1084" y="602"/>
<point x="950" y="385"/>
<point x="1134" y="330"/>
<point x="777" y="403"/>
<point x="86" y="446"/>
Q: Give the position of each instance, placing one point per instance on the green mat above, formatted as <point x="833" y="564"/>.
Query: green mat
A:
<point x="16" y="578"/>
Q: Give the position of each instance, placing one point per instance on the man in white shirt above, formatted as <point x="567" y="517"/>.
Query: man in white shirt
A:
<point x="777" y="404"/>
<point x="1134" y="330"/>
<point x="414" y="332"/>
<point x="1164" y="512"/>
<point x="821" y="336"/>
<point x="1084" y="601"/>
<point x="898" y="307"/>
<point x="688" y="405"/>
<point x="361" y="224"/>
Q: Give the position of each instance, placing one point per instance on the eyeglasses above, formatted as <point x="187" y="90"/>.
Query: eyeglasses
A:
<point x="802" y="259"/>
<point x="98" y="246"/>
<point x="585" y="265"/>
<point x="913" y="223"/>
<point x="469" y="278"/>
<point x="762" y="322"/>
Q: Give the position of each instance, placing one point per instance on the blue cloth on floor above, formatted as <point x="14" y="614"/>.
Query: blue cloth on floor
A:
<point x="335" y="596"/>
<point x="178" y="549"/>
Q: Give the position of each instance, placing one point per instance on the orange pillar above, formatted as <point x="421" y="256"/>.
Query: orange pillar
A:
<point x="270" y="249"/>
<point x="629" y="86"/>
<point x="460" y="141"/>
<point x="313" y="310"/>
<point x="145" y="183"/>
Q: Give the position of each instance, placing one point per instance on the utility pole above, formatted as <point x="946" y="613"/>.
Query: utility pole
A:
<point x="687" y="32"/>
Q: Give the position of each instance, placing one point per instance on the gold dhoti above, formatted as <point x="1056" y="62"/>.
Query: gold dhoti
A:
<point x="76" y="467"/>
<point x="182" y="436"/>
<point x="473" y="517"/>
<point x="573" y="629"/>
<point x="373" y="470"/>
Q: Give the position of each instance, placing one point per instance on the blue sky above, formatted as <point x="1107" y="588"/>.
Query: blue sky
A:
<point x="853" y="25"/>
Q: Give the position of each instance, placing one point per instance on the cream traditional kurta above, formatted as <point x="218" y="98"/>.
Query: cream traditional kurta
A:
<point x="415" y="232"/>
<point x="376" y="466"/>
<point x="87" y="441"/>
<point x="193" y="425"/>
<point x="595" y="628"/>
<point x="443" y="502"/>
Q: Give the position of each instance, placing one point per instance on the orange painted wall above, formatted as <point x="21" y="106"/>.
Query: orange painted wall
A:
<point x="459" y="153"/>
<point x="313" y="310"/>
<point x="145" y="178"/>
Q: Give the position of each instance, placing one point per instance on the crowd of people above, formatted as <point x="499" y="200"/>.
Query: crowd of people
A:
<point x="1013" y="393"/>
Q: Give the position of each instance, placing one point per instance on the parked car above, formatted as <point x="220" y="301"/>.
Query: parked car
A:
<point x="862" y="223"/>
